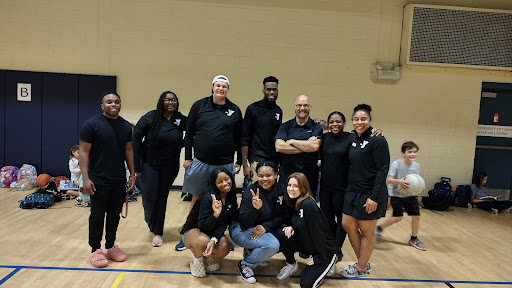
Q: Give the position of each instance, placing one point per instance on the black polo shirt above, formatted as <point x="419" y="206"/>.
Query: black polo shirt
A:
<point x="291" y="130"/>
<point x="169" y="140"/>
<point x="214" y="131"/>
<point x="261" y="123"/>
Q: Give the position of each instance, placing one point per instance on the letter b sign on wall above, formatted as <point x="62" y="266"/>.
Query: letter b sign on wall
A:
<point x="24" y="92"/>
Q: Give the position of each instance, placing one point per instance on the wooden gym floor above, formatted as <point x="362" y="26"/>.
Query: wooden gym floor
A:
<point x="48" y="248"/>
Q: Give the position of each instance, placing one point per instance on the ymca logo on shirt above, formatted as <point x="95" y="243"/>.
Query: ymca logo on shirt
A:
<point x="301" y="213"/>
<point x="229" y="206"/>
<point x="280" y="200"/>
<point x="277" y="116"/>
<point x="364" y="144"/>
<point x="177" y="122"/>
<point x="230" y="112"/>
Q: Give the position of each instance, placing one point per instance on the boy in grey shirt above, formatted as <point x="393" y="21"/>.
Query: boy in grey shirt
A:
<point x="398" y="198"/>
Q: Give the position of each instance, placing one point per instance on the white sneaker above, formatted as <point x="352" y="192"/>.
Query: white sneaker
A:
<point x="212" y="264"/>
<point x="288" y="270"/>
<point x="197" y="268"/>
<point x="508" y="210"/>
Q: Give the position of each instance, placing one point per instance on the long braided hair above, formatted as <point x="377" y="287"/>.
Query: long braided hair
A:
<point x="154" y="127"/>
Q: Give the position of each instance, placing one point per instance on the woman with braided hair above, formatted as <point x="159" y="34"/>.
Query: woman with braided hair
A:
<point x="157" y="143"/>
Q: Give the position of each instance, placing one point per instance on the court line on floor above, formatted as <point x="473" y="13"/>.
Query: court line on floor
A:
<point x="18" y="267"/>
<point x="9" y="275"/>
<point x="118" y="280"/>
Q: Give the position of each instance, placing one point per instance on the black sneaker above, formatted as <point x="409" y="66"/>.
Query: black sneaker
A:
<point x="246" y="273"/>
<point x="304" y="255"/>
<point x="340" y="256"/>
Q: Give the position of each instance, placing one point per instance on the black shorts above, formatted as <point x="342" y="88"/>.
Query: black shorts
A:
<point x="354" y="206"/>
<point x="411" y="205"/>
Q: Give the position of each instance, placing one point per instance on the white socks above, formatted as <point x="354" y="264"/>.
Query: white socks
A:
<point x="198" y="259"/>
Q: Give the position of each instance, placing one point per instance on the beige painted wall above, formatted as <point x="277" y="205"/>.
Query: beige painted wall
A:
<point x="324" y="49"/>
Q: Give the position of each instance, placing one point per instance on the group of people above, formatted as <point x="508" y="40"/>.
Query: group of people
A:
<point x="278" y="211"/>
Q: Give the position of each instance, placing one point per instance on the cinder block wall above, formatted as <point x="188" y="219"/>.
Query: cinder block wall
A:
<point x="324" y="49"/>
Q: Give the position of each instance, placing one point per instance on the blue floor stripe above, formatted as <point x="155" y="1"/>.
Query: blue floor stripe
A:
<point x="17" y="268"/>
<point x="9" y="275"/>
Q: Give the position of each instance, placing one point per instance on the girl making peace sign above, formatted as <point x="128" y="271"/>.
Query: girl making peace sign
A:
<point x="203" y="232"/>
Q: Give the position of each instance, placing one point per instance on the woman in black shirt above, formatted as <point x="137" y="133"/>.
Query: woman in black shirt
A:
<point x="366" y="197"/>
<point x="308" y="232"/>
<point x="334" y="180"/>
<point x="157" y="143"/>
<point x="261" y="214"/>
<point x="203" y="232"/>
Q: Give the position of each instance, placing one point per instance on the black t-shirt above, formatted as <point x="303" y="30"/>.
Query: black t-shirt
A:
<point x="261" y="123"/>
<point x="108" y="138"/>
<point x="291" y="130"/>
<point x="214" y="131"/>
<point x="334" y="156"/>
<point x="169" y="140"/>
<point x="369" y="165"/>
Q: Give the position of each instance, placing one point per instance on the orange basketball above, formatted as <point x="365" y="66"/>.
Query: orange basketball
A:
<point x="42" y="180"/>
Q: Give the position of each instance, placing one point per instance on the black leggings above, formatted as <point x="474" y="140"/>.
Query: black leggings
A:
<point x="331" y="205"/>
<point x="499" y="205"/>
<point x="107" y="199"/>
<point x="312" y="275"/>
<point x="156" y="183"/>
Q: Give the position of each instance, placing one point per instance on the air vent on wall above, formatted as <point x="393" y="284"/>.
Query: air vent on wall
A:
<point x="457" y="37"/>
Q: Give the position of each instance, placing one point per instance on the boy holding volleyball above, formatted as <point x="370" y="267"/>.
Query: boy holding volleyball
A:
<point x="399" y="199"/>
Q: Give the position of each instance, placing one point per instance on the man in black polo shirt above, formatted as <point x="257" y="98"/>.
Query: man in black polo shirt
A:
<point x="261" y="122"/>
<point x="298" y="141"/>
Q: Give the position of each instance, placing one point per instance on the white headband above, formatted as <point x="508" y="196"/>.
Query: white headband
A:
<point x="220" y="78"/>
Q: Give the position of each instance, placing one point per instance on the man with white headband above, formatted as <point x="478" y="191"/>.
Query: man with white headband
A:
<point x="214" y="129"/>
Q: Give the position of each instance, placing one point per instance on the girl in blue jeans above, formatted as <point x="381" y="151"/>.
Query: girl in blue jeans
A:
<point x="262" y="212"/>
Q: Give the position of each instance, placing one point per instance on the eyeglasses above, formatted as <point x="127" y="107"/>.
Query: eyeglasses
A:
<point x="302" y="105"/>
<point x="170" y="100"/>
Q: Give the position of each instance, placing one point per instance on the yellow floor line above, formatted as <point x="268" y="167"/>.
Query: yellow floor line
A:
<point x="119" y="278"/>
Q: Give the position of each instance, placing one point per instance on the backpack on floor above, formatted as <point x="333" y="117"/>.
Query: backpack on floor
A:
<point x="27" y="172"/>
<point x="463" y="195"/>
<point x="435" y="201"/>
<point x="8" y="174"/>
<point x="444" y="186"/>
<point x="42" y="198"/>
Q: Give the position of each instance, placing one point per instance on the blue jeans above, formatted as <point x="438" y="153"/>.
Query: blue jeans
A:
<point x="262" y="248"/>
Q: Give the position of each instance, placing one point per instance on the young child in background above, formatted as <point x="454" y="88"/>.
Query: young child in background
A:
<point x="396" y="183"/>
<point x="74" y="169"/>
<point x="81" y="200"/>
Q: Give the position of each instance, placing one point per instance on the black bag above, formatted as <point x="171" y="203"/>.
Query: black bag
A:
<point x="41" y="198"/>
<point x="435" y="201"/>
<point x="444" y="187"/>
<point x="463" y="196"/>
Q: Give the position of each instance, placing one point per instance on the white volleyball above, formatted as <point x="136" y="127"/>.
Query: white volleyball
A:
<point x="416" y="185"/>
